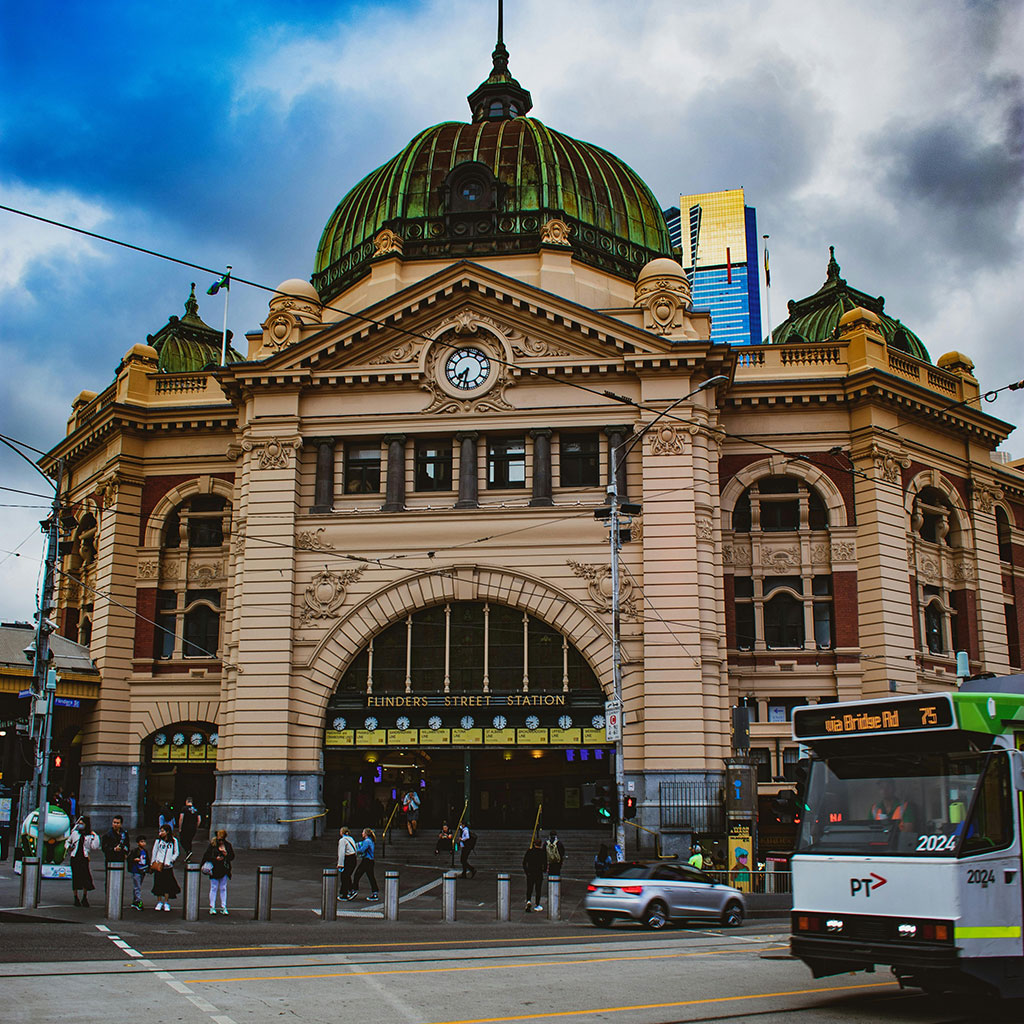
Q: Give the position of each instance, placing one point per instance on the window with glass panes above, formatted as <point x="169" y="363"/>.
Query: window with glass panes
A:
<point x="433" y="465"/>
<point x="362" y="468"/>
<point x="579" y="457"/>
<point x="506" y="462"/>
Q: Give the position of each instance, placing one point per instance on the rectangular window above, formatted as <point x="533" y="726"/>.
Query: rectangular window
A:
<point x="506" y="463"/>
<point x="202" y="624"/>
<point x="790" y="757"/>
<point x="362" y="469"/>
<point x="167" y="623"/>
<point x="746" y="632"/>
<point x="579" y="458"/>
<point x="762" y="758"/>
<point x="824" y="626"/>
<point x="433" y="465"/>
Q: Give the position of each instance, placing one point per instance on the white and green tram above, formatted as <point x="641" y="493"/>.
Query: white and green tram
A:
<point x="909" y="853"/>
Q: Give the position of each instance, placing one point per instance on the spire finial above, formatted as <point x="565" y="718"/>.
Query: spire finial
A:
<point x="191" y="306"/>
<point x="501" y="8"/>
<point x="833" y="267"/>
<point x="500" y="97"/>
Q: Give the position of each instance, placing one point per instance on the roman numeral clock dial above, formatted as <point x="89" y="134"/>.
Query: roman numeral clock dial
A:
<point x="466" y="369"/>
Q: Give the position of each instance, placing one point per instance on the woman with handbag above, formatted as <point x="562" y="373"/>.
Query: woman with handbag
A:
<point x="216" y="865"/>
<point x="80" y="844"/>
<point x="165" y="853"/>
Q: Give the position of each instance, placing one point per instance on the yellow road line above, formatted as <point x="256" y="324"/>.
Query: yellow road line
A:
<point x="665" y="1006"/>
<point x="457" y="968"/>
<point x="371" y="946"/>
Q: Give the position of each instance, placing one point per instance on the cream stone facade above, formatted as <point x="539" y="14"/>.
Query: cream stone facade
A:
<point x="306" y="569"/>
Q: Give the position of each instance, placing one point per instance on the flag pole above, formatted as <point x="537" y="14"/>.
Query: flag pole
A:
<point x="224" y="335"/>
<point x="767" y="290"/>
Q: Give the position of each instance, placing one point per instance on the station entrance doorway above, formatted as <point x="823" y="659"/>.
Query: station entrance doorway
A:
<point x="495" y="789"/>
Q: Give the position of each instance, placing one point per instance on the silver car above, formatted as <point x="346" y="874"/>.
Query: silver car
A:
<point x="655" y="894"/>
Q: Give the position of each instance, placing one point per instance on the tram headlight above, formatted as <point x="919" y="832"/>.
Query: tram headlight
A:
<point x="907" y="931"/>
<point x="834" y="924"/>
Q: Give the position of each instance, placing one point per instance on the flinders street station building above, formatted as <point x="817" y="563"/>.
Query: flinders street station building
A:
<point x="362" y="555"/>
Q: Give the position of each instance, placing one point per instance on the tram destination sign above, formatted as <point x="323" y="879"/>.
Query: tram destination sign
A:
<point x="874" y="718"/>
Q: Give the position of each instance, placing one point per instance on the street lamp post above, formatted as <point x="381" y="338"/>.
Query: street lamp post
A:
<point x="613" y="512"/>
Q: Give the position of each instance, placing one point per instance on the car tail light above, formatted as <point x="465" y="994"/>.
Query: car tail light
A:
<point x="591" y="887"/>
<point x="808" y="923"/>
<point x="633" y="890"/>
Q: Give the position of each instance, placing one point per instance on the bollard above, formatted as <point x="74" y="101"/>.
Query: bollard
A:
<point x="504" y="897"/>
<point x="190" y="903"/>
<point x="554" y="896"/>
<point x="329" y="895"/>
<point x="448" y="896"/>
<point x="115" y="889"/>
<point x="264" y="886"/>
<point x="390" y="895"/>
<point x="30" y="882"/>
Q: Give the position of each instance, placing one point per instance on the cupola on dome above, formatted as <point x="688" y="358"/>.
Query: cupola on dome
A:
<point x="488" y="188"/>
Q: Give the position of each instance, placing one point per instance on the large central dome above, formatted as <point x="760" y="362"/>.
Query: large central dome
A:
<point x="486" y="188"/>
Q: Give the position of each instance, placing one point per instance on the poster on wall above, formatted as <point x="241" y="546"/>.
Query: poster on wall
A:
<point x="740" y="852"/>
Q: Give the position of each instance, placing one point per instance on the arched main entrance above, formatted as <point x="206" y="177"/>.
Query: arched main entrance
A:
<point x="180" y="761"/>
<point x="478" y="705"/>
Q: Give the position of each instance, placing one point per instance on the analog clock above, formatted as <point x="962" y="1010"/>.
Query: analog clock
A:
<point x="467" y="368"/>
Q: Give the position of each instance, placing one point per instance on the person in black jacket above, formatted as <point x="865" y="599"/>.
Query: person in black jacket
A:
<point x="534" y="863"/>
<point x="219" y="855"/>
<point x="115" y="843"/>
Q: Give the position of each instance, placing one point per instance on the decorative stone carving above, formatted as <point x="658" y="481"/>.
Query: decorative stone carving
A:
<point x="929" y="569"/>
<point x="387" y="241"/>
<point x="986" y="497"/>
<point x="313" y="540"/>
<point x="327" y="592"/>
<point x="820" y="554"/>
<point x="963" y="571"/>
<point x="844" y="550"/>
<point x="889" y="463"/>
<point x="705" y="529"/>
<point x="404" y="353"/>
<point x="273" y="453"/>
<point x="599" y="588"/>
<point x="524" y="346"/>
<point x="205" y="573"/>
<point x="294" y="305"/>
<point x="169" y="567"/>
<point x="149" y="570"/>
<point x="727" y="554"/>
<point x="278" y="330"/>
<point x="781" y="558"/>
<point x="663" y="292"/>
<point x="555" y="232"/>
<point x="238" y="536"/>
<point x="669" y="438"/>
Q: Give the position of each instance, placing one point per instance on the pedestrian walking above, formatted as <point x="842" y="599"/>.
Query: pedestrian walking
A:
<point x="116" y="843"/>
<point x="165" y="853"/>
<point x="189" y="821"/>
<point x="534" y="862"/>
<point x="411" y="810"/>
<point x="467" y="843"/>
<point x="81" y="843"/>
<point x="216" y="864"/>
<point x="554" y="850"/>
<point x="346" y="863"/>
<point x="366" y="849"/>
<point x="696" y="857"/>
<point x="138" y="865"/>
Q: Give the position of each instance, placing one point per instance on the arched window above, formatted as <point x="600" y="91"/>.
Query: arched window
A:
<point x="468" y="646"/>
<point x="1004" y="535"/>
<point x="204" y="517"/>
<point x="934" y="520"/>
<point x="935" y="627"/>
<point x="776" y="610"/>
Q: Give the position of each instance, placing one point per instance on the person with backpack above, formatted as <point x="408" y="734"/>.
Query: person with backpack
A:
<point x="467" y="843"/>
<point x="533" y="867"/>
<point x="411" y="810"/>
<point x="555" y="850"/>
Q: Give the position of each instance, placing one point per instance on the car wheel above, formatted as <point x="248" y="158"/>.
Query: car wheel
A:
<point x="732" y="916"/>
<point x="600" y="920"/>
<point x="656" y="915"/>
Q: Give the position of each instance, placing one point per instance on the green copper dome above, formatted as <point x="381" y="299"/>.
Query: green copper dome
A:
<point x="469" y="190"/>
<point x="187" y="344"/>
<point x="816" y="318"/>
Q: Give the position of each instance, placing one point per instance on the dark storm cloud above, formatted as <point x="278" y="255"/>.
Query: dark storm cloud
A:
<point x="967" y="189"/>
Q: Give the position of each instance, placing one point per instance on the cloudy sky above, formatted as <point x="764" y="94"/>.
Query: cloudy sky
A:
<point x="227" y="131"/>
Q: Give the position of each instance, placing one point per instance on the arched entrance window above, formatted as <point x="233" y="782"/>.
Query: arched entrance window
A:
<point x="180" y="761"/>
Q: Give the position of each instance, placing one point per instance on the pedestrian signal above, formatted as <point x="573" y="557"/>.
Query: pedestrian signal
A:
<point x="629" y="807"/>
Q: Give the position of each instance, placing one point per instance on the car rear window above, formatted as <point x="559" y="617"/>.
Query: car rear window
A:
<point x="626" y="871"/>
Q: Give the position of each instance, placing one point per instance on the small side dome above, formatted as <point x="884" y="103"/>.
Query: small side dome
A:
<point x="662" y="267"/>
<point x="296" y="288"/>
<point x="83" y="398"/>
<point x="851" y="316"/>
<point x="956" y="362"/>
<point x="145" y="353"/>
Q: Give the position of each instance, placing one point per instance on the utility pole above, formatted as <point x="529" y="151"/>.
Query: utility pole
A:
<point x="613" y="512"/>
<point x="44" y="681"/>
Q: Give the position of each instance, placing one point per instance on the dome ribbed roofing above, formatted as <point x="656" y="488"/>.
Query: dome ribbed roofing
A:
<point x="187" y="344"/>
<point x="816" y="318"/>
<point x="487" y="188"/>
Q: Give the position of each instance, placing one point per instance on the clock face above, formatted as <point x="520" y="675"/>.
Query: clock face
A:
<point x="467" y="368"/>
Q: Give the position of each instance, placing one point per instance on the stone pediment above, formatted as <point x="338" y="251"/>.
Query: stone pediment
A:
<point x="467" y="302"/>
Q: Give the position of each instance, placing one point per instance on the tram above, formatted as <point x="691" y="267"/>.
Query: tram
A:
<point x="909" y="850"/>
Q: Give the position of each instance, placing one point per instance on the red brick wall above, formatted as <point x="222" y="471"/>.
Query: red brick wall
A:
<point x="145" y="631"/>
<point x="844" y="592"/>
<point x="967" y="621"/>
<point x="729" y="587"/>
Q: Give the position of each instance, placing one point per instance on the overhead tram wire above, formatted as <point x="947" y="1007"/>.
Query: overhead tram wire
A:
<point x="555" y="378"/>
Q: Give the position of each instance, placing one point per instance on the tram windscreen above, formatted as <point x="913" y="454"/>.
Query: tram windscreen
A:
<point x="908" y="805"/>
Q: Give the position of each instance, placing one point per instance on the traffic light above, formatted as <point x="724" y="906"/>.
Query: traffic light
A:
<point x="602" y="801"/>
<point x="784" y="807"/>
<point x="629" y="807"/>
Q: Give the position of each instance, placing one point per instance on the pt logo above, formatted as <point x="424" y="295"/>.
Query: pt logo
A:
<point x="865" y="885"/>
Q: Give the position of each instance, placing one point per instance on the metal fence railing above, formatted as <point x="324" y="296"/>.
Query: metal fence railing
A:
<point x="695" y="805"/>
<point x="769" y="882"/>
